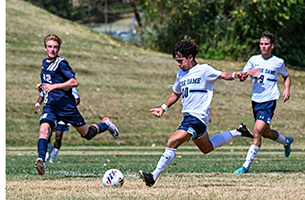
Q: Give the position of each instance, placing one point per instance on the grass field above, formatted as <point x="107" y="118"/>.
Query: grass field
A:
<point x="78" y="171"/>
<point x="123" y="81"/>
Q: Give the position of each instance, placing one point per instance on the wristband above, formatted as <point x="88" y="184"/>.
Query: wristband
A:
<point x="37" y="104"/>
<point x="233" y="75"/>
<point x="165" y="108"/>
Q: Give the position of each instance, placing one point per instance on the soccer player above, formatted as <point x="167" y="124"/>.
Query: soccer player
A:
<point x="57" y="81"/>
<point x="59" y="130"/>
<point x="265" y="92"/>
<point x="194" y="84"/>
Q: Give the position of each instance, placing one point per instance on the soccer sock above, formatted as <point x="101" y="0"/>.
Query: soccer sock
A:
<point x="282" y="140"/>
<point x="42" y="146"/>
<point x="252" y="152"/>
<point x="220" y="139"/>
<point x="165" y="160"/>
<point x="54" y="154"/>
<point x="102" y="127"/>
<point x="49" y="146"/>
<point x="235" y="133"/>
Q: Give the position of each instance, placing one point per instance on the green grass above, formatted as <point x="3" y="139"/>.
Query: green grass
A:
<point x="95" y="161"/>
<point x="121" y="81"/>
<point x="77" y="174"/>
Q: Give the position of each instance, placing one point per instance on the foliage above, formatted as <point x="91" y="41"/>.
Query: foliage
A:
<point x="85" y="11"/>
<point x="226" y="29"/>
<point x="120" y="81"/>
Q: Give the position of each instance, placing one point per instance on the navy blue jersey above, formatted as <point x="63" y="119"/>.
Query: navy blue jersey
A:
<point x="58" y="71"/>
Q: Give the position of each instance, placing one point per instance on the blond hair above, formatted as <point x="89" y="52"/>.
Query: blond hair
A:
<point x="52" y="37"/>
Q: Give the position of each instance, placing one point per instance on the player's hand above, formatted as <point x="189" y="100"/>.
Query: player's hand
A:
<point x="158" y="112"/>
<point x="39" y="87"/>
<point x="239" y="74"/>
<point x="286" y="95"/>
<point x="48" y="87"/>
<point x="254" y="72"/>
<point x="37" y="109"/>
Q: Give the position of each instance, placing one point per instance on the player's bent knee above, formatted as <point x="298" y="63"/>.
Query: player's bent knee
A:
<point x="46" y="128"/>
<point x="92" y="131"/>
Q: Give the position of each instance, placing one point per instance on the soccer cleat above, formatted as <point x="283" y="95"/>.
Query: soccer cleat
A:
<point x="287" y="147"/>
<point x="147" y="178"/>
<point x="245" y="132"/>
<point x="40" y="166"/>
<point x="241" y="170"/>
<point x="111" y="127"/>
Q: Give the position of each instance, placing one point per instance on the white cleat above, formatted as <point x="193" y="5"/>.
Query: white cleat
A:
<point x="111" y="127"/>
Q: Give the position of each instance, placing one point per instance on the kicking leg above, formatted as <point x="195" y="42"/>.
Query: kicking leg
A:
<point x="178" y="138"/>
<point x="90" y="132"/>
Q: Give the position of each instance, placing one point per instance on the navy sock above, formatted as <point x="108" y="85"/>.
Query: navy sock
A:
<point x="102" y="126"/>
<point x="42" y="147"/>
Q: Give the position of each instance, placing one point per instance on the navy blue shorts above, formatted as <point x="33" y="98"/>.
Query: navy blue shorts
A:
<point x="61" y="127"/>
<point x="193" y="126"/>
<point x="264" y="111"/>
<point x="52" y="115"/>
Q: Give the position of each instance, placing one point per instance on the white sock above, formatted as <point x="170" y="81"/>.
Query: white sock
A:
<point x="220" y="139"/>
<point x="252" y="152"/>
<point x="282" y="139"/>
<point x="49" y="147"/>
<point x="165" y="160"/>
<point x="235" y="133"/>
<point x="54" y="154"/>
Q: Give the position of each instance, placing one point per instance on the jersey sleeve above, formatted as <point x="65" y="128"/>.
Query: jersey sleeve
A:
<point x="282" y="70"/>
<point x="176" y="86"/>
<point x="41" y="94"/>
<point x="75" y="93"/>
<point x="66" y="70"/>
<point x="211" y="73"/>
<point x="249" y="66"/>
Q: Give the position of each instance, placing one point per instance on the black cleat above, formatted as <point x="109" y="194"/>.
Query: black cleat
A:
<point x="147" y="178"/>
<point x="245" y="132"/>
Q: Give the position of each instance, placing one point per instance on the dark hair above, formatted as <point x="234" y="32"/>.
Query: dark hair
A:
<point x="270" y="36"/>
<point x="185" y="48"/>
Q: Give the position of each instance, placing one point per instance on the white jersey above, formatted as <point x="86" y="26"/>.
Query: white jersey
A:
<point x="196" y="89"/>
<point x="265" y="86"/>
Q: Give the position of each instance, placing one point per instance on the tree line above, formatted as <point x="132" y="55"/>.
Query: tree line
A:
<point x="223" y="29"/>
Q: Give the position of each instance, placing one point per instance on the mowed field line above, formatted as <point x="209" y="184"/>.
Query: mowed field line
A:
<point x="238" y="150"/>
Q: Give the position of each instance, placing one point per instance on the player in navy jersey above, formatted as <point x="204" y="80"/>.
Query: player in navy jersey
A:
<point x="265" y="92"/>
<point x="194" y="84"/>
<point x="57" y="81"/>
<point x="59" y="130"/>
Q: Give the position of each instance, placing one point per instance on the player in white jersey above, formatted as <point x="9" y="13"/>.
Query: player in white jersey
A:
<point x="265" y="92"/>
<point x="194" y="84"/>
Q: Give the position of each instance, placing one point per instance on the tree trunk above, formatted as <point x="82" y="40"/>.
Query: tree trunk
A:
<point x="136" y="13"/>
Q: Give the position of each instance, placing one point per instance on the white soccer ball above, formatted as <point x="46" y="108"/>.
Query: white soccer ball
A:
<point x="113" y="178"/>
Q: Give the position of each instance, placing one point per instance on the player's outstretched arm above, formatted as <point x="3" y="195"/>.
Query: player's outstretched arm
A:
<point x="158" y="112"/>
<point x="253" y="72"/>
<point x="231" y="75"/>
